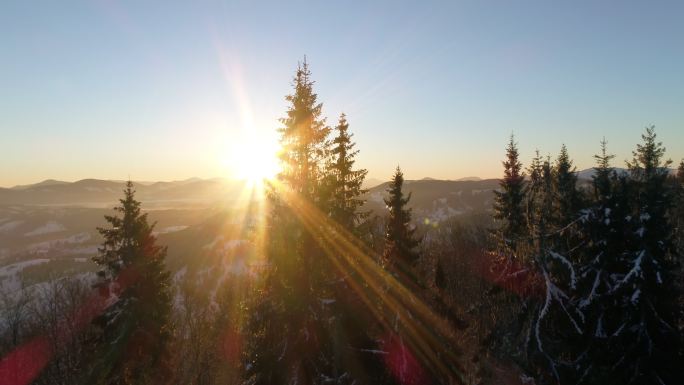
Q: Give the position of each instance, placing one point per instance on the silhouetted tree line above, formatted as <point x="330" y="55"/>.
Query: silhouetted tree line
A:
<point x="565" y="282"/>
<point x="589" y="276"/>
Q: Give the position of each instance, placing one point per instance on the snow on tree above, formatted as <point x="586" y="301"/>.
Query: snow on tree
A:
<point x="628" y="292"/>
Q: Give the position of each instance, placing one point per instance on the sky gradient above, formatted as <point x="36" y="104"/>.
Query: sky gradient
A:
<point x="164" y="90"/>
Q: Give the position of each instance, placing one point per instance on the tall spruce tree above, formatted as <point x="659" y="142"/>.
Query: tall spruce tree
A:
<point x="352" y="329"/>
<point x="629" y="294"/>
<point x="568" y="198"/>
<point x="345" y="182"/>
<point x="648" y="348"/>
<point x="400" y="257"/>
<point x="678" y="219"/>
<point x="400" y="254"/>
<point x="603" y="172"/>
<point x="303" y="138"/>
<point x="551" y="324"/>
<point x="509" y="201"/>
<point x="290" y="340"/>
<point x="678" y="212"/>
<point x="607" y="233"/>
<point x="512" y="238"/>
<point x="135" y="328"/>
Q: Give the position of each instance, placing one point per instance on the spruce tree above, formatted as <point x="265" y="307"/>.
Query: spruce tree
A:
<point x="303" y="138"/>
<point x="289" y="339"/>
<point x="678" y="212"/>
<point x="647" y="341"/>
<point x="603" y="172"/>
<point x="568" y="198"/>
<point x="345" y="182"/>
<point x="606" y="232"/>
<point x="509" y="201"/>
<point x="539" y="200"/>
<point x="503" y="297"/>
<point x="629" y="294"/>
<point x="135" y="328"/>
<point x="678" y="219"/>
<point x="400" y="253"/>
<point x="406" y="362"/>
<point x="550" y="324"/>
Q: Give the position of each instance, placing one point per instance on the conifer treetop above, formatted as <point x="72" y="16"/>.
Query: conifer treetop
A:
<point x="400" y="241"/>
<point x="512" y="165"/>
<point x="302" y="135"/>
<point x="603" y="170"/>
<point x="647" y="159"/>
<point x="343" y="181"/>
<point x="508" y="204"/>
<point x="128" y="234"/>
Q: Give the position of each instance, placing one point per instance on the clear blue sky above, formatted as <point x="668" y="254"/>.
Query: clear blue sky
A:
<point x="158" y="90"/>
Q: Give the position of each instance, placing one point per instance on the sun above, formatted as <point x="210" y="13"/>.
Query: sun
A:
<point x="253" y="159"/>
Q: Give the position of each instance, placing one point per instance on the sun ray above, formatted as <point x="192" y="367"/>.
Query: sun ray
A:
<point x="427" y="333"/>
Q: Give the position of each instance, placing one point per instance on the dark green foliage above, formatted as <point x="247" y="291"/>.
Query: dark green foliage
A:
<point x="678" y="211"/>
<point x="600" y="303"/>
<point x="603" y="174"/>
<point x="302" y="325"/>
<point x="539" y="202"/>
<point x="608" y="234"/>
<point x="400" y="240"/>
<point x="509" y="201"/>
<point x="629" y="295"/>
<point x="552" y="324"/>
<point x="344" y="183"/>
<point x="303" y="137"/>
<point x="650" y="346"/>
<point x="568" y="198"/>
<point x="284" y="332"/>
<point x="135" y="328"/>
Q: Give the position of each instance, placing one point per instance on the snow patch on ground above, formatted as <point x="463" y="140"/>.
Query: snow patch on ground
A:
<point x="170" y="229"/>
<point x="19" y="266"/>
<point x="377" y="197"/>
<point x="443" y="213"/>
<point x="84" y="250"/>
<point x="477" y="191"/>
<point x="225" y="246"/>
<point x="9" y="275"/>
<point x="50" y="227"/>
<point x="9" y="226"/>
<point x="44" y="247"/>
<point x="180" y="274"/>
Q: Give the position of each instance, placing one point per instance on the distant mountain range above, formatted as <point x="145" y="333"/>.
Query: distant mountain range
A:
<point x="45" y="183"/>
<point x="437" y="200"/>
<point x="431" y="198"/>
<point x="454" y="196"/>
<point x="49" y="228"/>
<point x="96" y="192"/>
